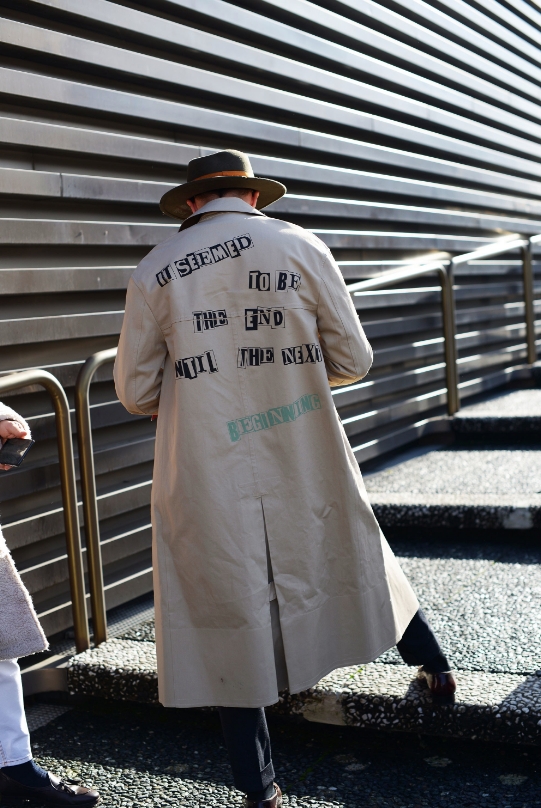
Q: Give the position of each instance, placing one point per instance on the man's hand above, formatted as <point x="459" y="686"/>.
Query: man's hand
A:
<point x="11" y="429"/>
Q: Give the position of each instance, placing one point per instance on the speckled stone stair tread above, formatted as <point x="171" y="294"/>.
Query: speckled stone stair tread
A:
<point x="491" y="487"/>
<point x="474" y="511"/>
<point x="484" y="604"/>
<point x="515" y="411"/>
<point x="468" y="592"/>
<point x="144" y="632"/>
<point x="488" y="705"/>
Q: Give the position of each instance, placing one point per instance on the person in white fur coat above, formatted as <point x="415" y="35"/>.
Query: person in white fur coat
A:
<point x="20" y="635"/>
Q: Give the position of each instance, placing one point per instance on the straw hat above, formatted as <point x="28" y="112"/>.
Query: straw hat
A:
<point x="223" y="169"/>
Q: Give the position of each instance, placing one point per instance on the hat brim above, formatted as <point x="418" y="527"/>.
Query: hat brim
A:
<point x="173" y="203"/>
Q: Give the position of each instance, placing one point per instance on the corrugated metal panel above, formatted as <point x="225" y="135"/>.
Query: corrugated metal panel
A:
<point x="401" y="129"/>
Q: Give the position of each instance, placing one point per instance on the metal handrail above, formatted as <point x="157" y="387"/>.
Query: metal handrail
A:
<point x="88" y="489"/>
<point x="513" y="242"/>
<point x="509" y="244"/>
<point x="25" y="378"/>
<point x="525" y="245"/>
<point x="448" y="312"/>
<point x="445" y="271"/>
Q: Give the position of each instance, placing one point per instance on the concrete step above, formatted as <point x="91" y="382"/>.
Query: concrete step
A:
<point x="517" y="411"/>
<point x="489" y="479"/>
<point x="488" y="706"/>
<point x="464" y="511"/>
<point x="484" y="603"/>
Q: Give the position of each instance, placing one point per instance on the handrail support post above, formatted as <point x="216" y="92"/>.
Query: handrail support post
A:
<point x="88" y="490"/>
<point x="449" y="333"/>
<point x="529" y="305"/>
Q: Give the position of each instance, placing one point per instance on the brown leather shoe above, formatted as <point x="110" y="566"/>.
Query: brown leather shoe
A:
<point x="441" y="685"/>
<point x="57" y="792"/>
<point x="274" y="802"/>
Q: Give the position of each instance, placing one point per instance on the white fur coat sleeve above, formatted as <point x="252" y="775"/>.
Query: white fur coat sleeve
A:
<point x="20" y="630"/>
<point x="7" y="414"/>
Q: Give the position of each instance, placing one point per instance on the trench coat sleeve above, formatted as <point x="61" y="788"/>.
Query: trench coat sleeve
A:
<point x="141" y="355"/>
<point x="346" y="350"/>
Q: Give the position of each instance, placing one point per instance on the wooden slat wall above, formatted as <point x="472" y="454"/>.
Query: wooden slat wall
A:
<point x="402" y="130"/>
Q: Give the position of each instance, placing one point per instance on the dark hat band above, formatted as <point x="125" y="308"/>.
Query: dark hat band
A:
<point x="222" y="174"/>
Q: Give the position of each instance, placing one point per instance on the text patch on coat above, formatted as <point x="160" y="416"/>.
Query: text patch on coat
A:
<point x="273" y="416"/>
<point x="256" y="318"/>
<point x="191" y="366"/>
<point x="285" y="281"/>
<point x="182" y="267"/>
<point x="203" y="320"/>
<point x="300" y="354"/>
<point x="253" y="357"/>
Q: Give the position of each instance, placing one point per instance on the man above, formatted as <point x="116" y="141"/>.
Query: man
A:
<point x="20" y="635"/>
<point x="270" y="568"/>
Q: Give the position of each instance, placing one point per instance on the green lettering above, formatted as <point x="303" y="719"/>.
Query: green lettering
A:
<point x="288" y="412"/>
<point x="305" y="404"/>
<point x="275" y="416"/>
<point x="256" y="421"/>
<point x="233" y="430"/>
<point x="260" y="421"/>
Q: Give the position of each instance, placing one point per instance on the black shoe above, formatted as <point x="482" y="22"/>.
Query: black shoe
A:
<point x="273" y="802"/>
<point x="441" y="685"/>
<point x="56" y="792"/>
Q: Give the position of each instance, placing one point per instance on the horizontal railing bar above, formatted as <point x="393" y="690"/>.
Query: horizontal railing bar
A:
<point x="396" y="276"/>
<point x="498" y="248"/>
<point x="514" y="242"/>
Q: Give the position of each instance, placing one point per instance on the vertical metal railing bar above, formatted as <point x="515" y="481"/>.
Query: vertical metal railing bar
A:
<point x="25" y="378"/>
<point x="88" y="490"/>
<point x="529" y="297"/>
<point x="448" y="316"/>
<point x="450" y="346"/>
<point x="449" y="342"/>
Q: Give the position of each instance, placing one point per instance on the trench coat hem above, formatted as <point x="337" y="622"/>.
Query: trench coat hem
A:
<point x="312" y="682"/>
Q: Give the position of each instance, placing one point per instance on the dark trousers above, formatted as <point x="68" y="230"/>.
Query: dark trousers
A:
<point x="245" y="728"/>
<point x="419" y="645"/>
<point x="248" y="744"/>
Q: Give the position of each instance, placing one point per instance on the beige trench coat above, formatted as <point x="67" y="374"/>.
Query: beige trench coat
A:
<point x="234" y="330"/>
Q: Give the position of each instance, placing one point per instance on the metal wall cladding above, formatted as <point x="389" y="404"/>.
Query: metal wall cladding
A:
<point x="401" y="129"/>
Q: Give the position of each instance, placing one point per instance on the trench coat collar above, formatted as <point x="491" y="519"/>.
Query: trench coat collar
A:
<point x="227" y="204"/>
